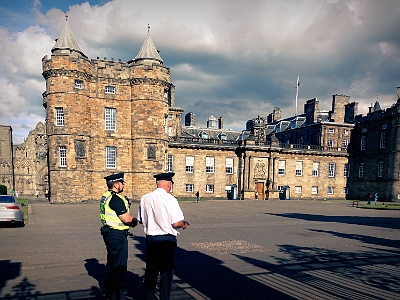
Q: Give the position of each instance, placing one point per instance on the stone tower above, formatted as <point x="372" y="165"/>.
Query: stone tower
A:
<point x="152" y="94"/>
<point x="104" y="117"/>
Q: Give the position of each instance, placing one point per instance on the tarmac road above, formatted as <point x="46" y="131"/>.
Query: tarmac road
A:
<point x="232" y="250"/>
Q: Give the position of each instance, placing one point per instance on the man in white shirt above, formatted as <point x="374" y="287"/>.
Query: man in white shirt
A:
<point x="161" y="216"/>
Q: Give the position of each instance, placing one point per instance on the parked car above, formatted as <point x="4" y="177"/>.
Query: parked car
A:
<point x="11" y="210"/>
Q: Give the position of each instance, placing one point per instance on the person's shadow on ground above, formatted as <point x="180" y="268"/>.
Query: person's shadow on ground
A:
<point x="134" y="284"/>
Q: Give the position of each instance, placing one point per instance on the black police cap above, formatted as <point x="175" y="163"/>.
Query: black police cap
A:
<point x="115" y="177"/>
<point x="165" y="176"/>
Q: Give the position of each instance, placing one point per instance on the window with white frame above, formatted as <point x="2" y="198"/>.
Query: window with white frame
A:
<point x="297" y="189"/>
<point x="346" y="170"/>
<point x="362" y="143"/>
<point x="78" y="84"/>
<point x="170" y="132"/>
<point x="299" y="168"/>
<point x="315" y="169"/>
<point x="331" y="169"/>
<point x="109" y="89"/>
<point x="382" y="141"/>
<point x="110" y="118"/>
<point x="209" y="164"/>
<point x="345" y="143"/>
<point x="330" y="190"/>
<point x="361" y="170"/>
<point x="345" y="190"/>
<point x="281" y="167"/>
<point x="380" y="169"/>
<point x="189" y="164"/>
<point x="314" y="190"/>
<point x="209" y="188"/>
<point x="330" y="143"/>
<point x="189" y="188"/>
<point x="229" y="165"/>
<point x="63" y="156"/>
<point x="345" y="132"/>
<point x="170" y="116"/>
<point x="331" y="130"/>
<point x="59" y="116"/>
<point x="111" y="157"/>
<point x="170" y="163"/>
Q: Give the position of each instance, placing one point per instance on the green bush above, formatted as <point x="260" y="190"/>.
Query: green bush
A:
<point x="3" y="190"/>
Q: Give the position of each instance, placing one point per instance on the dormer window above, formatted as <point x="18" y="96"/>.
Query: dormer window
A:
<point x="222" y="136"/>
<point x="203" y="135"/>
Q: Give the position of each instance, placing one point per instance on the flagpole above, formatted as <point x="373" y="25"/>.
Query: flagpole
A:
<point x="297" y="91"/>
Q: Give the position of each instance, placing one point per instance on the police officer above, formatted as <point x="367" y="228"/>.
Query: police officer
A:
<point x="114" y="214"/>
<point x="161" y="216"/>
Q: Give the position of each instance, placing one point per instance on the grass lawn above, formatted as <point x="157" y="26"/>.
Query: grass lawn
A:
<point x="392" y="206"/>
<point x="24" y="203"/>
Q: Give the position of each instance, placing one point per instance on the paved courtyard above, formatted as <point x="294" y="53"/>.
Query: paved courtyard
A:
<point x="284" y="249"/>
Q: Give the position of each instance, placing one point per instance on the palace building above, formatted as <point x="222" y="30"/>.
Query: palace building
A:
<point x="107" y="116"/>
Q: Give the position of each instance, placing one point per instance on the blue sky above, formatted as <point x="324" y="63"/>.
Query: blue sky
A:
<point x="235" y="59"/>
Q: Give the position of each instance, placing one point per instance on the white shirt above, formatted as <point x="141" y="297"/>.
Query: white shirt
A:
<point x="158" y="210"/>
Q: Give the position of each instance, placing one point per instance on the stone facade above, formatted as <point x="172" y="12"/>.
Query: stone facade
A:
<point x="24" y="166"/>
<point x="375" y="154"/>
<point x="6" y="158"/>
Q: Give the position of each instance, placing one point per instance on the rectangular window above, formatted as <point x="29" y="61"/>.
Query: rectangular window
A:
<point x="330" y="143"/>
<point x="63" y="156"/>
<point x="331" y="130"/>
<point x="111" y="157"/>
<point x="297" y="189"/>
<point x="315" y="170"/>
<point x="170" y="131"/>
<point x="346" y="170"/>
<point x="189" y="188"/>
<point x="384" y="126"/>
<point x="170" y="163"/>
<point x="78" y="84"/>
<point x="301" y="140"/>
<point x="299" y="168"/>
<point x="330" y="190"/>
<point x="209" y="188"/>
<point x="382" y="141"/>
<point x="345" y="143"/>
<point x="331" y="170"/>
<point x="229" y="165"/>
<point x="345" y="190"/>
<point x="380" y="169"/>
<point x="110" y="118"/>
<point x="362" y="143"/>
<point x="209" y="164"/>
<point x="189" y="164"/>
<point x="345" y="132"/>
<point x="361" y="170"/>
<point x="314" y="190"/>
<point x="59" y="116"/>
<point x="109" y="89"/>
<point x="170" y="116"/>
<point x="281" y="167"/>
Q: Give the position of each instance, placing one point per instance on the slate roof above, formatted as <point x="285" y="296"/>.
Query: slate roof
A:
<point x="148" y="50"/>
<point x="66" y="40"/>
<point x="196" y="132"/>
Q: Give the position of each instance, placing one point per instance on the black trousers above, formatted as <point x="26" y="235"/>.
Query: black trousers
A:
<point x="117" y="261"/>
<point x="160" y="259"/>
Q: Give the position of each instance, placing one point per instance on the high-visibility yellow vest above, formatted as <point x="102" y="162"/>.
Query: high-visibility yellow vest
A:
<point x="108" y="216"/>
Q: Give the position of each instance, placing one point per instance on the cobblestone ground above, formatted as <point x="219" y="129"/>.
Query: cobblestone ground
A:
<point x="232" y="250"/>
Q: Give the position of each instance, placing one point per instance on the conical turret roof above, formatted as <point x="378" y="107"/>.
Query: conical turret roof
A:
<point x="66" y="40"/>
<point x="149" y="50"/>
